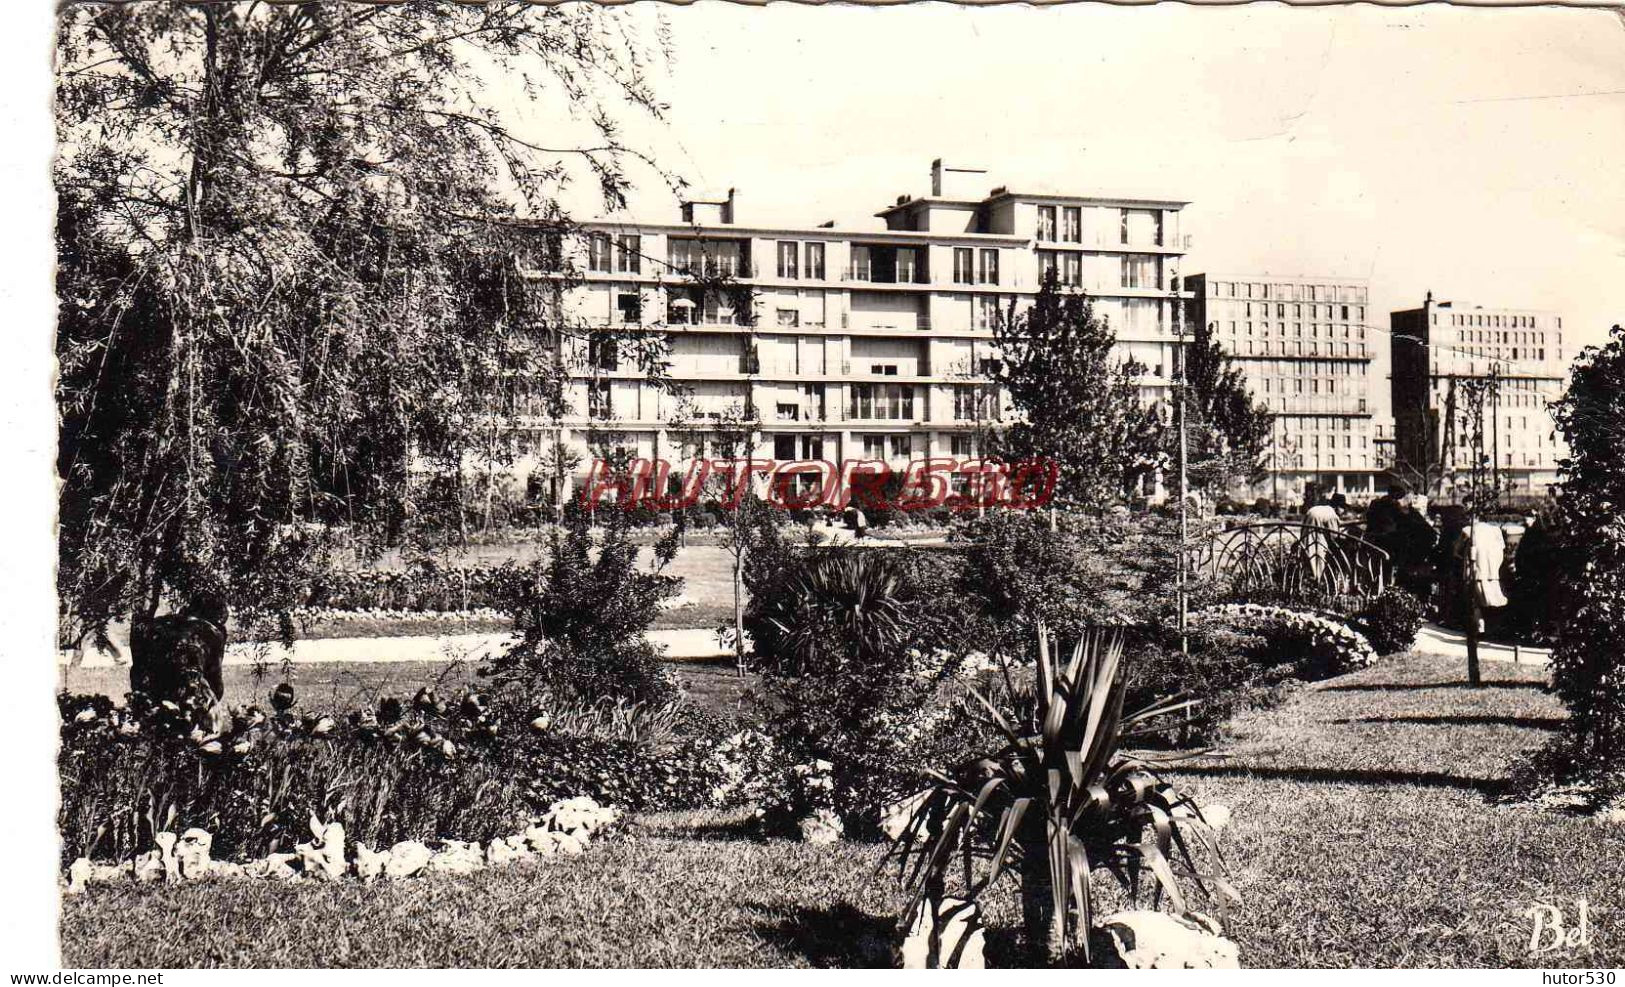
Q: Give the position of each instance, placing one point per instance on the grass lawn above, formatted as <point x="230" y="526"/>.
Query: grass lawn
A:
<point x="1366" y="833"/>
<point x="344" y="685"/>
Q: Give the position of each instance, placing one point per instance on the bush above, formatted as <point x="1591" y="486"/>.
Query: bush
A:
<point x="1315" y="646"/>
<point x="424" y="586"/>
<point x="1588" y="661"/>
<point x="584" y="615"/>
<point x="397" y="772"/>
<point x="844" y="641"/>
<point x="1391" y="621"/>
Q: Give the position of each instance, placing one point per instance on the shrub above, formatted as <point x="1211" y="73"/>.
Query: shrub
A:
<point x="583" y="615"/>
<point x="1588" y="661"/>
<point x="1112" y="570"/>
<point x="1055" y="799"/>
<point x="423" y="586"/>
<point x="840" y="638"/>
<point x="1315" y="646"/>
<point x="1391" y="621"/>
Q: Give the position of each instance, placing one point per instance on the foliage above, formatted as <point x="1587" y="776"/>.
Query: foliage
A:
<point x="1060" y="797"/>
<point x="1226" y="432"/>
<point x="472" y="770"/>
<point x="1226" y="671"/>
<point x="1080" y="406"/>
<point x="1588" y="661"/>
<point x="1116" y="569"/>
<point x="1316" y="646"/>
<point x="288" y="296"/>
<point x="584" y="614"/>
<point x="1391" y="621"/>
<point x="853" y="646"/>
<point x="425" y="586"/>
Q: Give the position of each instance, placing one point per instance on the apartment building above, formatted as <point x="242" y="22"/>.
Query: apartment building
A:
<point x="1438" y="349"/>
<point x="1304" y="347"/>
<point x="865" y="344"/>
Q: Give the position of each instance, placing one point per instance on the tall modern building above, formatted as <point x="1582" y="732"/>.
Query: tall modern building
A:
<point x="865" y="344"/>
<point x="1442" y="353"/>
<point x="1305" y="348"/>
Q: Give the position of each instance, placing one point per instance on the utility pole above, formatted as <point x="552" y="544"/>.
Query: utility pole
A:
<point x="1275" y="460"/>
<point x="1184" y="508"/>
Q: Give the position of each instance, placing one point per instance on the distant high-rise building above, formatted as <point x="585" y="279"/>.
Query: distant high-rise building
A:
<point x="1304" y="347"/>
<point x="1437" y="350"/>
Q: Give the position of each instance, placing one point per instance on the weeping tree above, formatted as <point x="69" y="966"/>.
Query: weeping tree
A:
<point x="288" y="295"/>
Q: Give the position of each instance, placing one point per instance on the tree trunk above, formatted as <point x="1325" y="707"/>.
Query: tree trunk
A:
<point x="1044" y="927"/>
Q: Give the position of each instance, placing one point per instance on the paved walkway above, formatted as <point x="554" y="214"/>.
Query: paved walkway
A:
<point x="1443" y="643"/>
<point x="680" y="645"/>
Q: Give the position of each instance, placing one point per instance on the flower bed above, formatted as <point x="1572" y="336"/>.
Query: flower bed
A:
<point x="566" y="829"/>
<point x="1317" y="645"/>
<point x="419" y="771"/>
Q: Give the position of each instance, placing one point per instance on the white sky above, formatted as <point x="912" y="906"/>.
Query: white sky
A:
<point x="1473" y="152"/>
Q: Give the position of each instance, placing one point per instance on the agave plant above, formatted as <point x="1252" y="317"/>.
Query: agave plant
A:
<point x="1060" y="799"/>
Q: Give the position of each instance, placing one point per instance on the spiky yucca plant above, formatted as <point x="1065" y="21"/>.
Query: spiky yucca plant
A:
<point x="1061" y="798"/>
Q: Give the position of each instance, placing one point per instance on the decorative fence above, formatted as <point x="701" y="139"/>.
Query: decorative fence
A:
<point x="1289" y="561"/>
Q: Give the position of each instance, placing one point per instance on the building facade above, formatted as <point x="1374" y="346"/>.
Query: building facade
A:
<point x="1305" y="348"/>
<point x="864" y="344"/>
<point x="1444" y="352"/>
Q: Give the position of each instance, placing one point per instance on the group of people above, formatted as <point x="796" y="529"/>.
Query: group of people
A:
<point x="1432" y="557"/>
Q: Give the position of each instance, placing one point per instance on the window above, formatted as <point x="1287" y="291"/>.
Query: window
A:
<point x="789" y="254"/>
<point x="988" y="271"/>
<point x="603" y="354"/>
<point x="987" y="311"/>
<point x="629" y="305"/>
<point x="1046" y="222"/>
<point x="1140" y="227"/>
<point x="789" y="318"/>
<point x="598" y="399"/>
<point x="784" y="446"/>
<point x="909" y="268"/>
<point x="962" y="265"/>
<point x="1141" y="271"/>
<point x="961" y="446"/>
<point x="893" y="402"/>
<point x="787" y="413"/>
<point x="902" y="446"/>
<point x="965" y="402"/>
<point x="874" y="447"/>
<point x="815" y="261"/>
<point x="628" y="254"/>
<point x="1072" y="224"/>
<point x="1047" y="265"/>
<point x="863" y="263"/>
<point x="1072" y="268"/>
<point x="883" y="369"/>
<point x="598" y="252"/>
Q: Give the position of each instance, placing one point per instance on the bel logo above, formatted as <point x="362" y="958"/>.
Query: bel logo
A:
<point x="1550" y="925"/>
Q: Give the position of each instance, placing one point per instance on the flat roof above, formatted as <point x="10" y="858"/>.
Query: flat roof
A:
<point x="726" y="230"/>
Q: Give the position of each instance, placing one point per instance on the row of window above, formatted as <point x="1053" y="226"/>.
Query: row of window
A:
<point x="1494" y="321"/>
<point x="1332" y="332"/>
<point x="1348" y="294"/>
<point x="1341" y="313"/>
<point x="1064" y="224"/>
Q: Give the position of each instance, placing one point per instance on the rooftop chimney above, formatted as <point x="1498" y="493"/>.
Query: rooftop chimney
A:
<point x="952" y="182"/>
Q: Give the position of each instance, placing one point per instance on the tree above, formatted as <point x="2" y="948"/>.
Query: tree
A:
<point x="1226" y="432"/>
<point x="1588" y="661"/>
<point x="1079" y="404"/>
<point x="288" y="295"/>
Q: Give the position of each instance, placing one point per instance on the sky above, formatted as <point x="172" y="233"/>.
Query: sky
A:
<point x="1474" y="153"/>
